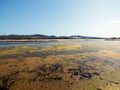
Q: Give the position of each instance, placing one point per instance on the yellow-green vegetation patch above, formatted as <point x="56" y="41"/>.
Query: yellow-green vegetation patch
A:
<point x="63" y="47"/>
<point x="17" y="50"/>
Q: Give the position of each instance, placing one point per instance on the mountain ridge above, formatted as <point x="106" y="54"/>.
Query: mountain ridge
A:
<point x="42" y="36"/>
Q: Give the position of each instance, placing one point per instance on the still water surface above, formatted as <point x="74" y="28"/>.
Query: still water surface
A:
<point x="70" y="41"/>
<point x="88" y="45"/>
<point x="91" y="44"/>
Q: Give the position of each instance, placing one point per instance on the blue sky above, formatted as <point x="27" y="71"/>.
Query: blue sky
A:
<point x="60" y="17"/>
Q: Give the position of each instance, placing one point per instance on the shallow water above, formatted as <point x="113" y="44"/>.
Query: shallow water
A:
<point x="91" y="44"/>
<point x="68" y="41"/>
<point x="7" y="44"/>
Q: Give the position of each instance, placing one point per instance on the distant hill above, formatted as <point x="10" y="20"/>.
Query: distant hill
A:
<point x="35" y="36"/>
<point x="41" y="36"/>
<point x="84" y="37"/>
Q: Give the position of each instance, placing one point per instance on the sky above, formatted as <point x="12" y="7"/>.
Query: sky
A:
<point x="60" y="17"/>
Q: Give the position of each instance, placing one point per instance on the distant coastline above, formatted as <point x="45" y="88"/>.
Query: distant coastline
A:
<point x="31" y="40"/>
<point x="46" y="38"/>
<point x="41" y="36"/>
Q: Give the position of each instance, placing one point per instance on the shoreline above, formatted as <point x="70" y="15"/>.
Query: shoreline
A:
<point x="32" y="40"/>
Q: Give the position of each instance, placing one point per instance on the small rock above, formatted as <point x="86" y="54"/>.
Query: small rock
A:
<point x="96" y="73"/>
<point x="86" y="75"/>
<point x="99" y="88"/>
<point x="75" y="73"/>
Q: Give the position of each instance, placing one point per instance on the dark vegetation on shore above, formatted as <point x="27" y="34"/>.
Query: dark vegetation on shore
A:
<point x="46" y="38"/>
<point x="36" y="36"/>
<point x="40" y="36"/>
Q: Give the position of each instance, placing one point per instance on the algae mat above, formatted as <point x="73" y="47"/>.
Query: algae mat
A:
<point x="60" y="67"/>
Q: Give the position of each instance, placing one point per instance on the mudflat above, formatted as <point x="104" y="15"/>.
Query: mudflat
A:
<point x="60" y="67"/>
